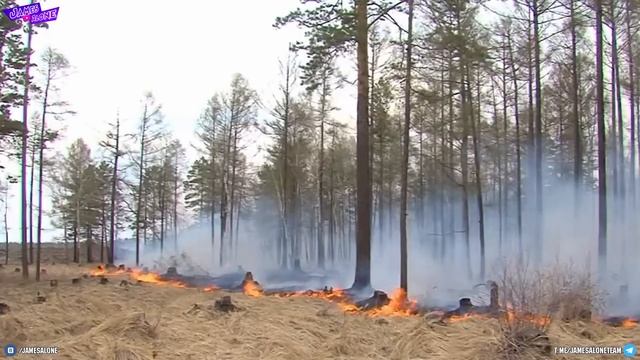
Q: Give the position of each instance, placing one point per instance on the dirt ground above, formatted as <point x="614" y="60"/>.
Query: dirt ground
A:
<point x="147" y="321"/>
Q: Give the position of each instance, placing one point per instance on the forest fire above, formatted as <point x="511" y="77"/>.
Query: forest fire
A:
<point x="621" y="322"/>
<point x="149" y="277"/>
<point x="136" y="274"/>
<point x="250" y="287"/>
<point x="539" y="320"/>
<point x="399" y="305"/>
<point x="103" y="271"/>
<point x="379" y="304"/>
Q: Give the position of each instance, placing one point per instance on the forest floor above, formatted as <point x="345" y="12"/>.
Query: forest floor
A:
<point x="90" y="320"/>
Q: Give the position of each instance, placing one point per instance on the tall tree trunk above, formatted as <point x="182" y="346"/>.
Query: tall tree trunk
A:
<point x="25" y="139"/>
<point x="632" y="95"/>
<point x="114" y="194"/>
<point x="321" y="213"/>
<point x="538" y="137"/>
<point x="6" y="229"/>
<point x="103" y="236"/>
<point x="476" y="161"/>
<point x="614" y="116"/>
<point x="516" y="114"/>
<point x="212" y="218"/>
<point x="501" y="151"/>
<point x="465" y="173"/>
<point x="31" y="186"/>
<point x="225" y="179"/>
<point x="41" y="169"/>
<point x="139" y="207"/>
<point x="405" y="157"/>
<point x="332" y="216"/>
<point x="89" y="244"/>
<point x="176" y="179"/>
<point x="618" y="103"/>
<point x="602" y="169"/>
<point x="232" y="202"/>
<point x="363" y="227"/>
<point x="577" y="127"/>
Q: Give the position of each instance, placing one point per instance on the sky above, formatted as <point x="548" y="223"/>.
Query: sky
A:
<point x="183" y="55"/>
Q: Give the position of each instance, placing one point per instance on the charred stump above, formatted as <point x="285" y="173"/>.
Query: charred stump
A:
<point x="171" y="272"/>
<point x="494" y="302"/>
<point x="225" y="305"/>
<point x="104" y="280"/>
<point x="377" y="300"/>
<point x="465" y="307"/>
<point x="40" y="298"/>
<point x="249" y="280"/>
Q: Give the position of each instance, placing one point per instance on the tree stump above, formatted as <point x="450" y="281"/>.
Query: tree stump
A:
<point x="494" y="303"/>
<point x="377" y="300"/>
<point x="53" y="283"/>
<point x="17" y="270"/>
<point x="465" y="306"/>
<point x="75" y="281"/>
<point x="225" y="305"/>
<point x="40" y="298"/>
<point x="124" y="283"/>
<point x="172" y="271"/>
<point x="4" y="309"/>
<point x="104" y="280"/>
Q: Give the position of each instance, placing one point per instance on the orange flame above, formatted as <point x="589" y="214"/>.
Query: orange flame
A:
<point x="467" y="316"/>
<point x="252" y="288"/>
<point x="399" y="305"/>
<point x="154" y="278"/>
<point x="102" y="271"/>
<point x="629" y="323"/>
<point x="210" y="289"/>
<point x="541" y="320"/>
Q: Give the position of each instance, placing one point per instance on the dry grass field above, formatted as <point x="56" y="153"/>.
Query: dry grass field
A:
<point x="90" y="320"/>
